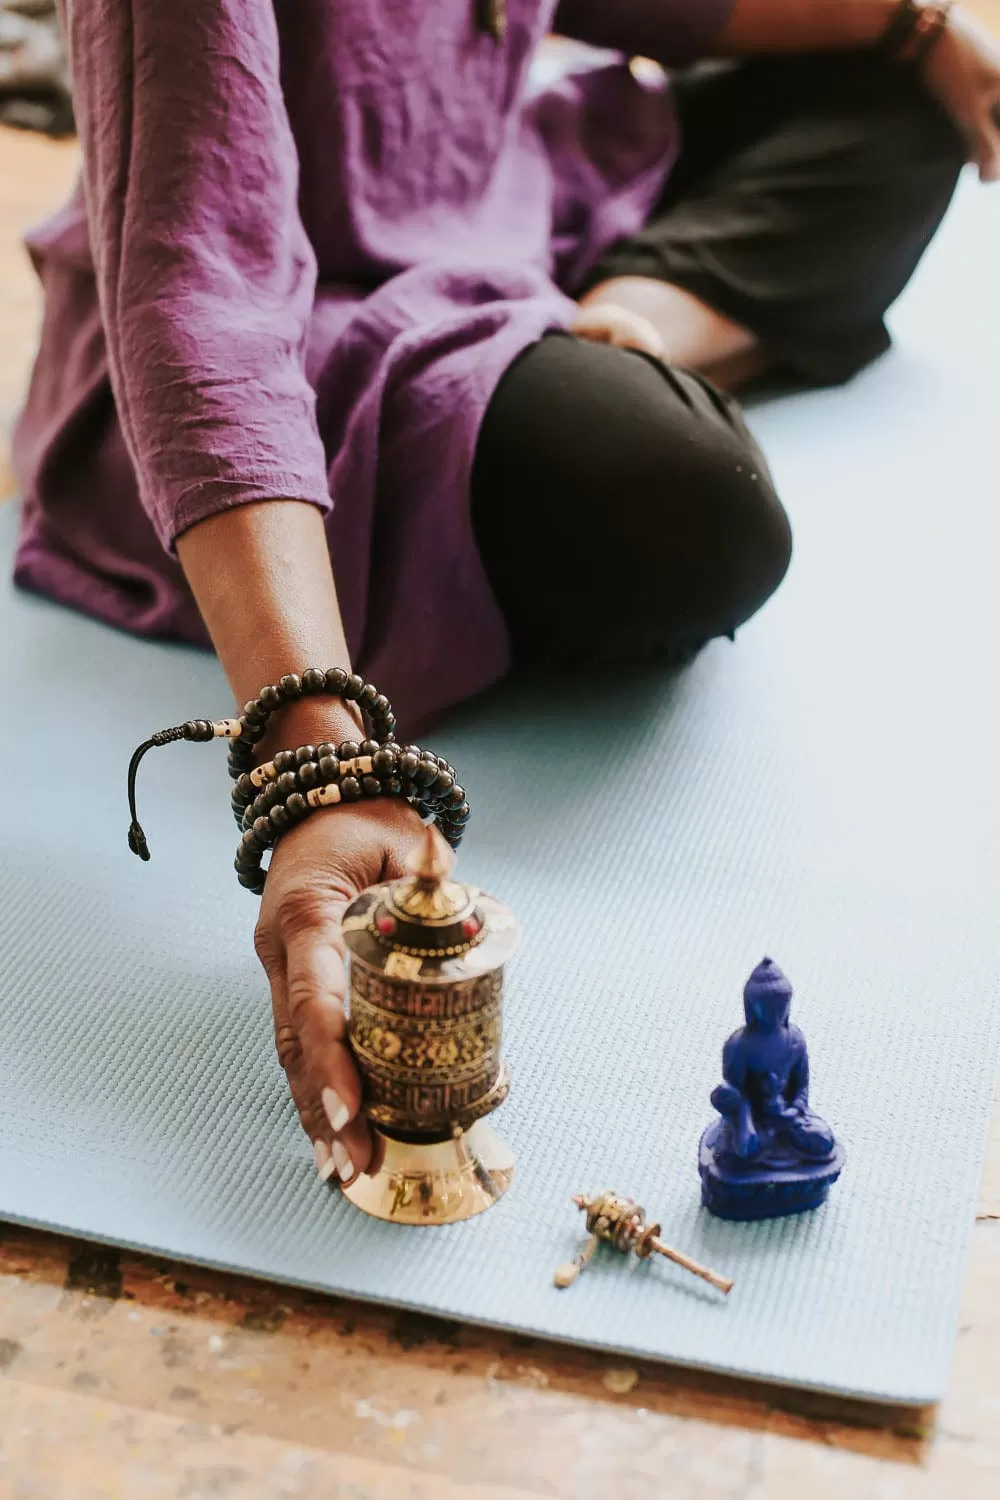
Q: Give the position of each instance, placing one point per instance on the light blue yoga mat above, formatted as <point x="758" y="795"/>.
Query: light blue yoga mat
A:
<point x="824" y="791"/>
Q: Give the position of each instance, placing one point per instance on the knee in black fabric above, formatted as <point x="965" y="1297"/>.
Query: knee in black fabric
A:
<point x="622" y="509"/>
<point x="701" y="540"/>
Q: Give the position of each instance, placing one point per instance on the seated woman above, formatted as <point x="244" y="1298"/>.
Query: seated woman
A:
<point x="334" y="289"/>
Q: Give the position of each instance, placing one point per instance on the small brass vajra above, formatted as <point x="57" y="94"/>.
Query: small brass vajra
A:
<point x="621" y="1223"/>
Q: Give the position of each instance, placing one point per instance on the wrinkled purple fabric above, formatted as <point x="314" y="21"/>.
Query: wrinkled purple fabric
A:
<point x="311" y="236"/>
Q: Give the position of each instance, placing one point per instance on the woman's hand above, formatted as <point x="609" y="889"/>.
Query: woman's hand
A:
<point x="963" y="74"/>
<point x="316" y="871"/>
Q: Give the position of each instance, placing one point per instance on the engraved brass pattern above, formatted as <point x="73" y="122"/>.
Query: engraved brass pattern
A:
<point x="430" y="1054"/>
<point x="425" y="1023"/>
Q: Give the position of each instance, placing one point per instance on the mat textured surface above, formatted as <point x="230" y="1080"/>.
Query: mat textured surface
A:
<point x="824" y="792"/>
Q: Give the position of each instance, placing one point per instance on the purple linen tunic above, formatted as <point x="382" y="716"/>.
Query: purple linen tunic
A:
<point x="311" y="235"/>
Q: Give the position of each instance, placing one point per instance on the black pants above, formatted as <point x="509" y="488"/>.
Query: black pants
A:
<point x="622" y="508"/>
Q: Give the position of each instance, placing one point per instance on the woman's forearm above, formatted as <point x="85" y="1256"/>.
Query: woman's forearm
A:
<point x="804" y="25"/>
<point x="262" y="578"/>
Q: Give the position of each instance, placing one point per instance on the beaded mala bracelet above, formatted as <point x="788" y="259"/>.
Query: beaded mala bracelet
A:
<point x="296" y="793"/>
<point x="269" y="799"/>
<point x="335" y="682"/>
<point x="433" y="790"/>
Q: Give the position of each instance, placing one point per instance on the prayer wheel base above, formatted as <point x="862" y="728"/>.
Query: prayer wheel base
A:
<point x="441" y="1182"/>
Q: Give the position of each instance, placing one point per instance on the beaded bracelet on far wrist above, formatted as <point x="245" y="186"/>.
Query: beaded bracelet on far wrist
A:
<point x="914" y="31"/>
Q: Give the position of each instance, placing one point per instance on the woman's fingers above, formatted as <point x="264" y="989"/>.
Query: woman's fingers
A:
<point x="315" y="873"/>
<point x="314" y="982"/>
<point x="352" y="1151"/>
<point x="301" y="945"/>
<point x="311" y="1035"/>
<point x="606" y="323"/>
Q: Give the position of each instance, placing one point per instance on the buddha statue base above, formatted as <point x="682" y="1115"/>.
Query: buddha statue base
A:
<point x="434" y="1182"/>
<point x="781" y="1184"/>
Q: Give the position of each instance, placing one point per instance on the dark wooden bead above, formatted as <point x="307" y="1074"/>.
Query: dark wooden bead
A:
<point x="328" y="767"/>
<point x="353" y="687"/>
<point x="425" y="772"/>
<point x="388" y="726"/>
<point x="441" y="784"/>
<point x="263" y="832"/>
<point x="460" y="814"/>
<point x="305" y="753"/>
<point x="384" y="762"/>
<point x="254" y="712"/>
<point x="393" y="786"/>
<point x="368" y="747"/>
<point x="249" y="842"/>
<point x="381" y="706"/>
<point x="297" y="807"/>
<point x="252" y="733"/>
<point x="287" y="782"/>
<point x="322" y="751"/>
<point x="347" y="750"/>
<point x="408" y="763"/>
<point x="455" y="798"/>
<point x="279" y="819"/>
<point x="336" y="679"/>
<point x="271" y="697"/>
<point x="309" y="776"/>
<point x="284" y="761"/>
<point x="367" y="695"/>
<point x="252" y="880"/>
<point x="313" y="680"/>
<point x="291" y="685"/>
<point x="371" y="786"/>
<point x="350" y="789"/>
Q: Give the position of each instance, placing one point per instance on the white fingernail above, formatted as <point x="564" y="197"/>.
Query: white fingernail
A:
<point x="325" y="1164"/>
<point x="342" y="1157"/>
<point x="336" y="1110"/>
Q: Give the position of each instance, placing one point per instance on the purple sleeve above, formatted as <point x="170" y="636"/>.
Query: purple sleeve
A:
<point x="205" y="275"/>
<point x="673" y="32"/>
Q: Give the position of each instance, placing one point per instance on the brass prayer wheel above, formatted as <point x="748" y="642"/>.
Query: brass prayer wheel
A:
<point x="426" y="1025"/>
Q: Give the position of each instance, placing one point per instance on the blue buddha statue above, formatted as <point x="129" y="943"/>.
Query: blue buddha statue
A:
<point x="769" y="1154"/>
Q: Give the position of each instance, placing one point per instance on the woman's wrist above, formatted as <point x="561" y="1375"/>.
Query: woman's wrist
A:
<point x="262" y="577"/>
<point x="309" y="721"/>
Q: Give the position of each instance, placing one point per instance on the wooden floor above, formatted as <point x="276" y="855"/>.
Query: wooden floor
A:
<point x="122" y="1377"/>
